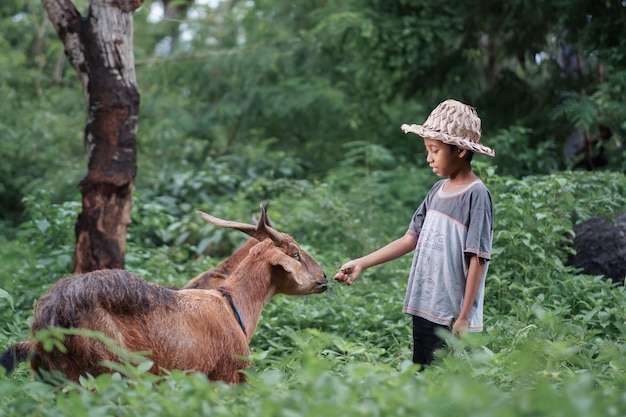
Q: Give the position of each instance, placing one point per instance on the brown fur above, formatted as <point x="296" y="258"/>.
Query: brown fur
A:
<point x="215" y="277"/>
<point x="189" y="329"/>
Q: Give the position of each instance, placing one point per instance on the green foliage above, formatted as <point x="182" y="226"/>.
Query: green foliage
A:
<point x="304" y="81"/>
<point x="516" y="156"/>
<point x="42" y="143"/>
<point x="300" y="103"/>
<point x="535" y="219"/>
<point x="554" y="339"/>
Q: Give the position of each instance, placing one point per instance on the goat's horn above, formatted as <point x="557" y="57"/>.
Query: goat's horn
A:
<point x="249" y="229"/>
<point x="264" y="226"/>
<point x="255" y="220"/>
<point x="260" y="231"/>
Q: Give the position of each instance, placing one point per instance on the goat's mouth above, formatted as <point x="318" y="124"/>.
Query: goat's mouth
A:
<point x="321" y="287"/>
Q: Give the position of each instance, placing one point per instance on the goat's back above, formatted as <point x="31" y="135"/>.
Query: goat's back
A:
<point x="207" y="280"/>
<point x="71" y="300"/>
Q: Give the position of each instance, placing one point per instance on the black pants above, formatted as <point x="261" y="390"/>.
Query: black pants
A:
<point x="425" y="340"/>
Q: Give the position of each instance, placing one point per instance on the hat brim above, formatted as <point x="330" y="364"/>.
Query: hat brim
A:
<point x="452" y="140"/>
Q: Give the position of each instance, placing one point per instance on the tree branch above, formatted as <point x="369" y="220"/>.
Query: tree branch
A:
<point x="67" y="22"/>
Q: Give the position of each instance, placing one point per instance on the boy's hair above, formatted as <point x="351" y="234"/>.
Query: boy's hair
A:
<point x="470" y="154"/>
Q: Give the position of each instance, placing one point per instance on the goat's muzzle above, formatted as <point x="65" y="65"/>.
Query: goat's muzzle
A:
<point x="321" y="286"/>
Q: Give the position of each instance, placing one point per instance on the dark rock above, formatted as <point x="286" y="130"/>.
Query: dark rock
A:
<point x="601" y="247"/>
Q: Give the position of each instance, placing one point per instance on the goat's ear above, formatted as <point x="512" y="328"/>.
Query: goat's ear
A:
<point x="290" y="265"/>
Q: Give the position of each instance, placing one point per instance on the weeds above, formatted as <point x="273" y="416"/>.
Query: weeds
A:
<point x="554" y="341"/>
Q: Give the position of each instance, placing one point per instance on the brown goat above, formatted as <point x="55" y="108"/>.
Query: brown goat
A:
<point x="190" y="329"/>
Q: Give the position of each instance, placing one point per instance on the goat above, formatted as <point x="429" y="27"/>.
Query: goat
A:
<point x="208" y="331"/>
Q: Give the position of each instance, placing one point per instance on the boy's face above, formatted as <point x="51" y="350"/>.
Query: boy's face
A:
<point x="445" y="160"/>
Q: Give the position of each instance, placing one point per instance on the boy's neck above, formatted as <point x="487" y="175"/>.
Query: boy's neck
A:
<point x="461" y="179"/>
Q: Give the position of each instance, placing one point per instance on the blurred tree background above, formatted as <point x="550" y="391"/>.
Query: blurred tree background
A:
<point x="239" y="95"/>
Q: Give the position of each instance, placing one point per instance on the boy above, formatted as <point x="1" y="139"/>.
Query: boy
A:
<point x="451" y="233"/>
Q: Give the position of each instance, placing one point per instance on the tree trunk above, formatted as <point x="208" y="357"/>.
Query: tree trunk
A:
<point x="174" y="12"/>
<point x="100" y="49"/>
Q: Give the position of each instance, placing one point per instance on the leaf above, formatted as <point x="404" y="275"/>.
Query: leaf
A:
<point x="42" y="225"/>
<point x="145" y="366"/>
<point x="204" y="243"/>
<point x="7" y="296"/>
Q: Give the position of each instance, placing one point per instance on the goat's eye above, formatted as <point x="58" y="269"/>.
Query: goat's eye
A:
<point x="296" y="256"/>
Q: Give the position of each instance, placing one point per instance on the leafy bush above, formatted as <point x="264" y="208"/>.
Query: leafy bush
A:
<point x="554" y="339"/>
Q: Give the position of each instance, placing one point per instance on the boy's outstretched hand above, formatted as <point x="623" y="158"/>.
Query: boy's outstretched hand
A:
<point x="348" y="273"/>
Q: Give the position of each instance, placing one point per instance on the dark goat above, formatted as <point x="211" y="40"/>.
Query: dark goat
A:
<point x="190" y="329"/>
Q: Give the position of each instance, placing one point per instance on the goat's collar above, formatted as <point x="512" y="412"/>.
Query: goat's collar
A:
<point x="234" y="307"/>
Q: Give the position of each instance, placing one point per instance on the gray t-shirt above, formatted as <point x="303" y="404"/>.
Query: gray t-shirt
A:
<point x="449" y="226"/>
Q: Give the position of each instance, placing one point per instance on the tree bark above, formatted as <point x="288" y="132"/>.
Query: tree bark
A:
<point x="100" y="49"/>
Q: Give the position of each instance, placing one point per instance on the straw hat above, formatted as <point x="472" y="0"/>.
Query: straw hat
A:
<point x="454" y="123"/>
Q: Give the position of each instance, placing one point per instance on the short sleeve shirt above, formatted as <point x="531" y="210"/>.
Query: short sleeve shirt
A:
<point x="449" y="228"/>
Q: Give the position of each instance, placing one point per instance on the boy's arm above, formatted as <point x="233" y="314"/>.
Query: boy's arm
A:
<point x="472" y="283"/>
<point x="351" y="270"/>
